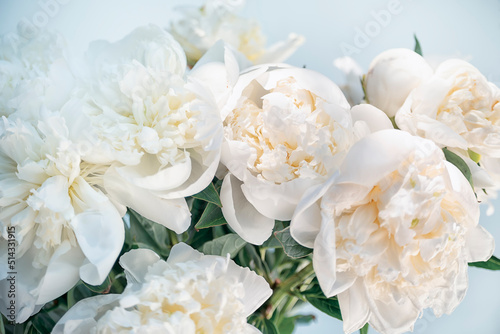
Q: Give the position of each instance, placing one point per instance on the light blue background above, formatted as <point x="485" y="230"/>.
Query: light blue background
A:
<point x="460" y="28"/>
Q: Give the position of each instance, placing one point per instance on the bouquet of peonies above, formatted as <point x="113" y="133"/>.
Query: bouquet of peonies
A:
<point x="185" y="180"/>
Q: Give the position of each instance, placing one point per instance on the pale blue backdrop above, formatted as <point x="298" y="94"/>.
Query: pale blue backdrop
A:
<point x="448" y="28"/>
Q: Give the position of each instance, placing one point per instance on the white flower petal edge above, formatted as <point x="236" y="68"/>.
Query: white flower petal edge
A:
<point x="398" y="225"/>
<point x="352" y="73"/>
<point x="188" y="293"/>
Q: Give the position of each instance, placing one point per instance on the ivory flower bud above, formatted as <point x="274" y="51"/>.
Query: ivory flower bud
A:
<point x="392" y="232"/>
<point x="189" y="293"/>
<point x="392" y="76"/>
<point x="459" y="109"/>
<point x="286" y="129"/>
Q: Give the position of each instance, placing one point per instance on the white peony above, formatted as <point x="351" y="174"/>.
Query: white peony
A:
<point x="286" y="129"/>
<point x="392" y="232"/>
<point x="200" y="28"/>
<point x="33" y="72"/>
<point x="160" y="132"/>
<point x="392" y="76"/>
<point x="188" y="293"/>
<point x="66" y="229"/>
<point x="459" y="109"/>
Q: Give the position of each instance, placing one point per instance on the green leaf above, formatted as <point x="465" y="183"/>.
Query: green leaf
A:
<point x="418" y="48"/>
<point x="212" y="216"/>
<point x="229" y="243"/>
<point x="287" y="326"/>
<point x="492" y="264"/>
<point x="2" y="326"/>
<point x="266" y="326"/>
<point x="364" y="330"/>
<point x="474" y="155"/>
<point x="210" y="195"/>
<point x="273" y="242"/>
<point x="290" y="246"/>
<point x="43" y="323"/>
<point x="147" y="233"/>
<point x="316" y="298"/>
<point x="101" y="288"/>
<point x="459" y="163"/>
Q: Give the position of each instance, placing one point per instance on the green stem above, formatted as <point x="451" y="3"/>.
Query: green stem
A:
<point x="287" y="286"/>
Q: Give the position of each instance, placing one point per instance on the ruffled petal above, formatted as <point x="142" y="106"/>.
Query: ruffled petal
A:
<point x="243" y="218"/>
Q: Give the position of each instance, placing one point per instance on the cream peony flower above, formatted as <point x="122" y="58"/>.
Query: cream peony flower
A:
<point x="188" y="293"/>
<point x="66" y="229"/>
<point x="459" y="109"/>
<point x="286" y="129"/>
<point x="160" y="131"/>
<point x="33" y="72"/>
<point x="392" y="76"/>
<point x="200" y="28"/>
<point x="392" y="232"/>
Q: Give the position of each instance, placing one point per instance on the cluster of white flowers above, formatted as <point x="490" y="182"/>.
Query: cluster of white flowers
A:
<point x="151" y="119"/>
<point x="454" y="106"/>
<point x="188" y="293"/>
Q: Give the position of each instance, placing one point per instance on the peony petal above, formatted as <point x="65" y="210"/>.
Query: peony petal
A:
<point x="241" y="216"/>
<point x="100" y="234"/>
<point x="149" y="174"/>
<point x="136" y="263"/>
<point x="257" y="290"/>
<point x="375" y="118"/>
<point x="182" y="252"/>
<point x="173" y="213"/>
<point x="62" y="273"/>
<point x="479" y="244"/>
<point x="306" y="221"/>
<point x="354" y="306"/>
<point x="324" y="256"/>
<point x="81" y="319"/>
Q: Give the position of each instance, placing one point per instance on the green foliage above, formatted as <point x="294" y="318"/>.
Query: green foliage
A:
<point x="459" y="163"/>
<point x="266" y="326"/>
<point x="317" y="298"/>
<point x="418" y="47"/>
<point x="212" y="216"/>
<point x="226" y="244"/>
<point x="144" y="233"/>
<point x="492" y="264"/>
<point x="291" y="247"/>
<point x="210" y="195"/>
<point x="364" y="330"/>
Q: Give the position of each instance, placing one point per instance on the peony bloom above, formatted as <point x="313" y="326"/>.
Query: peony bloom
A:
<point x="66" y="229"/>
<point x="286" y="129"/>
<point x="33" y="72"/>
<point x="160" y="132"/>
<point x="200" y="28"/>
<point x="188" y="293"/>
<point x="459" y="109"/>
<point x="392" y="76"/>
<point x="392" y="232"/>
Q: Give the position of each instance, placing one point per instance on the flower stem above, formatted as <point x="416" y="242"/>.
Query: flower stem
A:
<point x="285" y="288"/>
